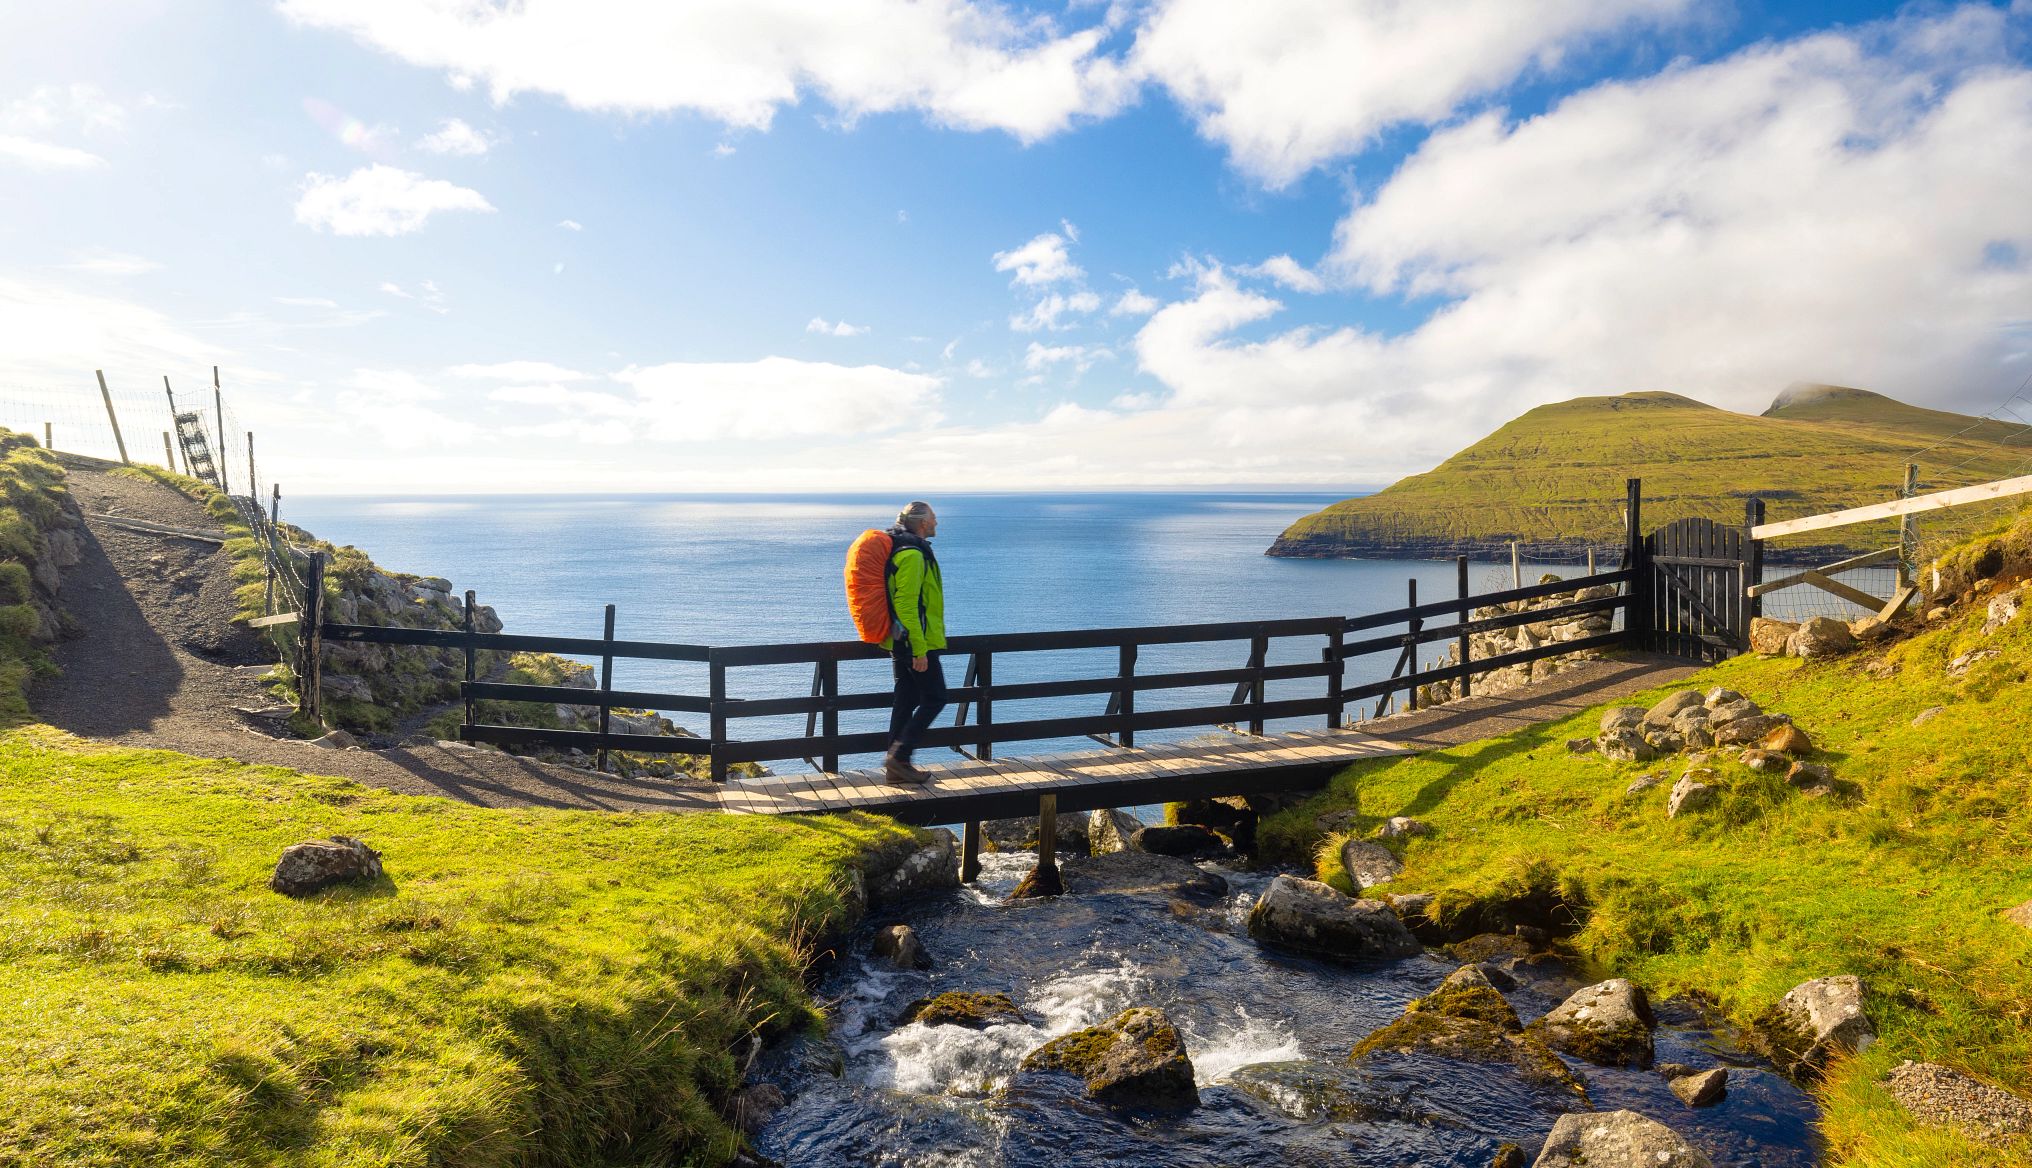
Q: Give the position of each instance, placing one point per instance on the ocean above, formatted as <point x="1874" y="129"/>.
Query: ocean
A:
<point x="747" y="569"/>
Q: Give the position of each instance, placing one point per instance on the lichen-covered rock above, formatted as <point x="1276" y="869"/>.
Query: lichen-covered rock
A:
<point x="1960" y="666"/>
<point x="1944" y="1097"/>
<point x="1625" y="745"/>
<point x="1768" y="637"/>
<point x="1401" y="827"/>
<point x="1310" y="917"/>
<point x="1765" y="760"/>
<point x="1747" y="730"/>
<point x="1468" y="993"/>
<point x="1508" y="1156"/>
<point x="1689" y="795"/>
<point x="1813" y="1023"/>
<point x="1700" y="1088"/>
<point x="1580" y="746"/>
<point x="1643" y="783"/>
<point x="1870" y="628"/>
<point x="1368" y="863"/>
<point x="1721" y="695"/>
<point x="1616" y="1139"/>
<point x="1491" y="947"/>
<point x="1672" y="705"/>
<point x="1810" y="774"/>
<point x="1823" y="636"/>
<point x="974" y="1011"/>
<point x="1110" y="830"/>
<point x="318" y="864"/>
<point x="1735" y="706"/>
<point x="899" y="946"/>
<point x="2003" y="610"/>
<point x="1622" y="718"/>
<point x="1184" y="839"/>
<point x="908" y="868"/>
<point x="1608" y="1023"/>
<point x="1134" y="1059"/>
<point x="1468" y="1021"/>
<point x="2020" y="916"/>
<point x="1134" y="873"/>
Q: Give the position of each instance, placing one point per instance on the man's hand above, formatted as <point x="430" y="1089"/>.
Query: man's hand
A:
<point x="920" y="664"/>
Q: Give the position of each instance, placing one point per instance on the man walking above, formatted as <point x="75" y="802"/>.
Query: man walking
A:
<point x="917" y="598"/>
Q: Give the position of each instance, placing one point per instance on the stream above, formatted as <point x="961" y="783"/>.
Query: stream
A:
<point x="1268" y="1034"/>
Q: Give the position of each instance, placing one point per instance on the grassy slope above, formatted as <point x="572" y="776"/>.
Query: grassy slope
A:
<point x="32" y="496"/>
<point x="1556" y="473"/>
<point x="533" y="986"/>
<point x="1900" y="879"/>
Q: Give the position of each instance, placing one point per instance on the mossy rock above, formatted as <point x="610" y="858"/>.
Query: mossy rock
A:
<point x="1467" y="993"/>
<point x="1472" y="1040"/>
<point x="973" y="1010"/>
<point x="1134" y="1059"/>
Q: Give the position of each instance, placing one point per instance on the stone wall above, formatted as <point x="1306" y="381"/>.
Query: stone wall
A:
<point x="1522" y="637"/>
<point x="372" y="687"/>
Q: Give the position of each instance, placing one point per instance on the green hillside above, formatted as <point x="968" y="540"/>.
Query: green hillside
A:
<point x="1553" y="477"/>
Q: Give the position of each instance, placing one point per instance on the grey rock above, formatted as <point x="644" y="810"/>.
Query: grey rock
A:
<point x="1580" y="746"/>
<point x="1616" y="1139"/>
<point x="1608" y="1023"/>
<point x="1401" y="827"/>
<point x="1746" y="730"/>
<point x="1643" y="783"/>
<point x="318" y="864"/>
<point x="1690" y="719"/>
<point x="1721" y="695"/>
<point x="1135" y="1059"/>
<point x="1110" y="830"/>
<point x="1944" y="1097"/>
<point x="1725" y="712"/>
<point x="899" y="945"/>
<point x="1765" y="760"/>
<point x="1664" y="741"/>
<point x="2003" y="610"/>
<point x="898" y="873"/>
<point x="1625" y="745"/>
<point x="1822" y="636"/>
<point x="1810" y="774"/>
<point x="1671" y="706"/>
<point x="1310" y="917"/>
<point x="1817" y="1020"/>
<point x="1703" y="1088"/>
<point x="2020" y="916"/>
<point x="336" y="740"/>
<point x="1622" y="717"/>
<point x="1768" y="637"/>
<point x="1368" y="863"/>
<point x="1131" y="873"/>
<point x="1699" y="738"/>
<point x="1184" y="839"/>
<point x="1928" y="714"/>
<point x="345" y="687"/>
<point x="1967" y="661"/>
<point x="755" y="1105"/>
<point x="1689" y="795"/>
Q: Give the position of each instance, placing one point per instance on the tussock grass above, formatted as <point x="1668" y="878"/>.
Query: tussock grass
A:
<point x="524" y="987"/>
<point x="32" y="500"/>
<point x="1900" y="876"/>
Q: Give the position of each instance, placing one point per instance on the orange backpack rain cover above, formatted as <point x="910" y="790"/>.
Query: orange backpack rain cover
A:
<point x="868" y="585"/>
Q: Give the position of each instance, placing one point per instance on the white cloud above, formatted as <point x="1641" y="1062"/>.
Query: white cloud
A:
<point x="840" y="329"/>
<point x="456" y="137"/>
<point x="571" y="225"/>
<point x="778" y="397"/>
<point x="723" y="150"/>
<point x="100" y="261"/>
<point x="1043" y="260"/>
<point x="1284" y="270"/>
<point x="1041" y="358"/>
<point x="1134" y="303"/>
<point x="1285" y="85"/>
<point x="427" y="294"/>
<point x="46" y="156"/>
<point x="977" y="368"/>
<point x="1049" y="313"/>
<point x="306" y="302"/>
<point x="518" y="371"/>
<point x="967" y="65"/>
<point x="398" y="408"/>
<point x="380" y="200"/>
<point x="50" y="335"/>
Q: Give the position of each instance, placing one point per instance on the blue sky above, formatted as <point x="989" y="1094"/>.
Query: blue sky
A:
<point x="612" y="244"/>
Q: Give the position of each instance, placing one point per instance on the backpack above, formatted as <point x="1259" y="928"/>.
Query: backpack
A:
<point x="868" y="563"/>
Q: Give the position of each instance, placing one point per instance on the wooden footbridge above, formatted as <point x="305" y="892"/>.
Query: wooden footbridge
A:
<point x="1279" y="720"/>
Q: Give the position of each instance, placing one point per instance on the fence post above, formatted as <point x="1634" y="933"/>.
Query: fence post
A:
<point x="1415" y="626"/>
<point x="49" y="437"/>
<point x="1125" y="726"/>
<point x="716" y="704"/>
<point x="472" y="672"/>
<point x="1336" y="675"/>
<point x="829" y="718"/>
<point x="311" y="638"/>
<point x="168" y="453"/>
<point x="1467" y="677"/>
<point x="606" y="682"/>
<point x="219" y="412"/>
<point x="1753" y="555"/>
<point x="1259" y="655"/>
<point x="274" y="532"/>
<point x="1907" y="536"/>
<point x="984" y="706"/>
<point x="1516" y="566"/>
<point x="1638" y="621"/>
<point x="106" y="395"/>
<point x="253" y="484"/>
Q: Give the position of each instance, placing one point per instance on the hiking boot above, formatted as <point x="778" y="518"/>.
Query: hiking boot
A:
<point x="898" y="773"/>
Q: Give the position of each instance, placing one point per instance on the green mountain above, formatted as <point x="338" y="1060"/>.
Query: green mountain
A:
<point x="1553" y="477"/>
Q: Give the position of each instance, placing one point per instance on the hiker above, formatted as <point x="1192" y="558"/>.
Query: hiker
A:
<point x="916" y="641"/>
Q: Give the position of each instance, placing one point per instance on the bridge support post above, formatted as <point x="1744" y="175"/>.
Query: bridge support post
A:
<point x="970" y="852"/>
<point x="1043" y="879"/>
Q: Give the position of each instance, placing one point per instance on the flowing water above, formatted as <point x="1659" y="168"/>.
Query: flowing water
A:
<point x="1268" y="1035"/>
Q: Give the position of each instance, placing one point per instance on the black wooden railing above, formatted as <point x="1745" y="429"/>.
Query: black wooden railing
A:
<point x="978" y="730"/>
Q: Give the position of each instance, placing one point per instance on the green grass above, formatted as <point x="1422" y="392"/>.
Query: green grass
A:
<point x="32" y="498"/>
<point x="524" y="987"/>
<point x="1556" y="474"/>
<point x="1900" y="877"/>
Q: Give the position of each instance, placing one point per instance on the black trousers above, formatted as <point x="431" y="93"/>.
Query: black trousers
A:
<point x="919" y="698"/>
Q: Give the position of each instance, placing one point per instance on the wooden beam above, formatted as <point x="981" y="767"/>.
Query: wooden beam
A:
<point x="1898" y="601"/>
<point x="1853" y="562"/>
<point x="280" y="618"/>
<point x="1855" y="596"/>
<point x="1938" y="501"/>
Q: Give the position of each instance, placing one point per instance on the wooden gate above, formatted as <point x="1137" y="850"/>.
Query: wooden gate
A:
<point x="1697" y="579"/>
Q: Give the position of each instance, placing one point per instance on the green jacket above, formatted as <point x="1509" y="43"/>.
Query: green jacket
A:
<point x="917" y="597"/>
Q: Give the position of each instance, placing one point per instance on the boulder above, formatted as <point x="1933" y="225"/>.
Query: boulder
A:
<point x="1936" y="614"/>
<point x="898" y="945"/>
<point x="1625" y="745"/>
<point x="1616" y="1139"/>
<point x="1622" y="718"/>
<point x="1700" y="1088"/>
<point x="1643" y="783"/>
<point x="1134" y="1059"/>
<point x="1608" y="1023"/>
<point x="1466" y="1020"/>
<point x="1721" y="696"/>
<point x="1689" y="795"/>
<point x="1401" y="827"/>
<point x="1368" y="863"/>
<point x="1765" y="760"/>
<point x="1467" y="993"/>
<point x="1580" y="745"/>
<point x="1944" y="1097"/>
<point x="905" y="868"/>
<point x="1508" y="1156"/>
<point x="318" y="864"/>
<point x="1140" y="874"/>
<point x="1491" y="947"/>
<point x="1787" y="739"/>
<point x="1747" y="730"/>
<point x="1690" y="719"/>
<point x="1672" y="705"/>
<point x="1870" y="628"/>
<point x="1823" y="636"/>
<point x="974" y="1011"/>
<point x="1110" y="830"/>
<point x="2003" y="610"/>
<point x="1810" y="774"/>
<point x="1664" y="741"/>
<point x="1768" y="637"/>
<point x="1738" y="706"/>
<point x="1185" y="839"/>
<point x="1415" y="910"/>
<point x="336" y="740"/>
<point x="1813" y="1023"/>
<point x="1310" y="917"/>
